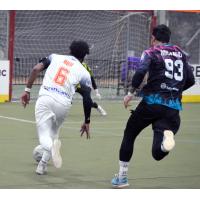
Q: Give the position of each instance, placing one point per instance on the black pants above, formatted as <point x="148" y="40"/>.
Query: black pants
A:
<point x="161" y="117"/>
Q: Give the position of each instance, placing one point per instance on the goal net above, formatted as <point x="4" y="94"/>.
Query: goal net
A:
<point x="186" y="25"/>
<point x="3" y="35"/>
<point x="113" y="36"/>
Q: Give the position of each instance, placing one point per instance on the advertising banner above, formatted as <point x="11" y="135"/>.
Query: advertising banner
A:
<point x="193" y="93"/>
<point x="4" y="80"/>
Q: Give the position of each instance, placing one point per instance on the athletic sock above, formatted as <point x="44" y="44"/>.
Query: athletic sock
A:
<point x="123" y="169"/>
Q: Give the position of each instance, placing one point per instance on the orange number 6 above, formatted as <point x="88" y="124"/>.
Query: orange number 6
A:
<point x="61" y="76"/>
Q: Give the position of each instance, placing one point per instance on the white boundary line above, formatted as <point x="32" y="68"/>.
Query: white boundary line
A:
<point x="97" y="131"/>
<point x="17" y="119"/>
<point x="78" y="122"/>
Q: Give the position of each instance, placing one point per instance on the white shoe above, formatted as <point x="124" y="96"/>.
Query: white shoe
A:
<point x="55" y="152"/>
<point x="102" y="111"/>
<point x="168" y="141"/>
<point x="41" y="168"/>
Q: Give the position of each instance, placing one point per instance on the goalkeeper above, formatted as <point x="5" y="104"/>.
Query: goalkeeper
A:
<point x="86" y="94"/>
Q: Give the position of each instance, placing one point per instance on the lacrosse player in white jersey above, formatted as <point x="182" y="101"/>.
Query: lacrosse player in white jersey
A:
<point x="63" y="73"/>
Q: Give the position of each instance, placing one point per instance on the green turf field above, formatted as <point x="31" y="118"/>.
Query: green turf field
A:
<point x="92" y="163"/>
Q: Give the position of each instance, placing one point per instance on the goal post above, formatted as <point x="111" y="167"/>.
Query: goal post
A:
<point x="12" y="15"/>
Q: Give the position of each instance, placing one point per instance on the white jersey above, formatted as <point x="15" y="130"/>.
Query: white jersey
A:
<point x="62" y="76"/>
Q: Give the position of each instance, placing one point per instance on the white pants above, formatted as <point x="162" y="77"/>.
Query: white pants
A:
<point x="49" y="115"/>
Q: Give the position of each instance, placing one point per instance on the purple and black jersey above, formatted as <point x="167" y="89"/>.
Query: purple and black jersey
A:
<point x="169" y="74"/>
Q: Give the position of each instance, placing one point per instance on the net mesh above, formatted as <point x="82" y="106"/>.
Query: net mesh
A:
<point x="186" y="27"/>
<point x="3" y="35"/>
<point x="113" y="36"/>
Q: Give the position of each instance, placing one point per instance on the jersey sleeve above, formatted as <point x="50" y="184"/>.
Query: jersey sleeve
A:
<point x="87" y="102"/>
<point x="142" y="70"/>
<point x="86" y="85"/>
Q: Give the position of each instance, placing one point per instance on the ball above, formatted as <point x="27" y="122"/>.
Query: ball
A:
<point x="37" y="153"/>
